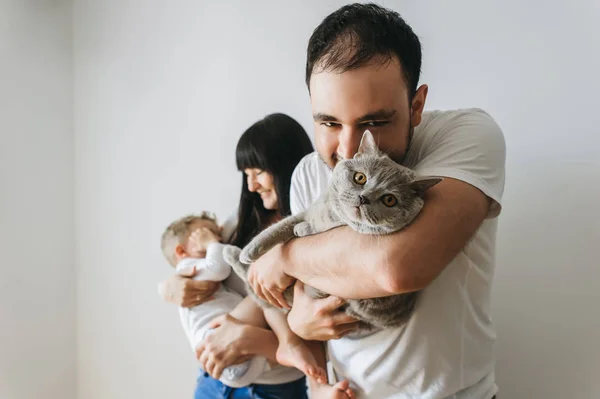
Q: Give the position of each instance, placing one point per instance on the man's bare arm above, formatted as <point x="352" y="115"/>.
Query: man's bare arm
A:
<point x="347" y="264"/>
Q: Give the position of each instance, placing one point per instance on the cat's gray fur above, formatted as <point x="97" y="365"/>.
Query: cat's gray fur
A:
<point x="359" y="206"/>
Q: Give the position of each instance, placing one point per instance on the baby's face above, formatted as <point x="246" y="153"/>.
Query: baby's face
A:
<point x="191" y="247"/>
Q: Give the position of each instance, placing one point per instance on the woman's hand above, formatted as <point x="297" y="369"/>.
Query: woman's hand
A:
<point x="318" y="319"/>
<point x="267" y="279"/>
<point x="181" y="290"/>
<point x="231" y="343"/>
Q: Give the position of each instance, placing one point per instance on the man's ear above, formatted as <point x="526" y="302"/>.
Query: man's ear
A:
<point x="417" y="105"/>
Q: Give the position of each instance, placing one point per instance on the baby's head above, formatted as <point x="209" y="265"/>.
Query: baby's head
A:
<point x="175" y="241"/>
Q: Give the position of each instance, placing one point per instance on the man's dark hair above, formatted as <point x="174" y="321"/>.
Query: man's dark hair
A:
<point x="358" y="34"/>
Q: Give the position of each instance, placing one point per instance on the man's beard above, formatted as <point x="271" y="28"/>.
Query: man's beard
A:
<point x="325" y="163"/>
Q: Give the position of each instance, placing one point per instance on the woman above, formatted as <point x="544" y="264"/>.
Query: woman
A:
<point x="266" y="154"/>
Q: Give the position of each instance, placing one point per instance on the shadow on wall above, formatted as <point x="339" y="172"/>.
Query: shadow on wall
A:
<point x="545" y="298"/>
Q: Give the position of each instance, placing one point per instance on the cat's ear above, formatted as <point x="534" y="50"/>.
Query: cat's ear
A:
<point x="367" y="145"/>
<point x="422" y="184"/>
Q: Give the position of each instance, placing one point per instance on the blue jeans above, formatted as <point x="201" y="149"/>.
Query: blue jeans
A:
<point x="210" y="388"/>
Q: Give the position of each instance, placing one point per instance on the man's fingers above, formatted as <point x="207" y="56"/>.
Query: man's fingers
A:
<point x="259" y="292"/>
<point x="341" y="318"/>
<point x="345" y="329"/>
<point x="271" y="298"/>
<point x="281" y="300"/>
<point x="331" y="303"/>
<point x="298" y="288"/>
<point x="252" y="281"/>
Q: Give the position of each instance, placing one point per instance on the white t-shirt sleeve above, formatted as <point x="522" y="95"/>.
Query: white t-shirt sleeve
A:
<point x="214" y="267"/>
<point x="467" y="146"/>
<point x="229" y="225"/>
<point x="298" y="199"/>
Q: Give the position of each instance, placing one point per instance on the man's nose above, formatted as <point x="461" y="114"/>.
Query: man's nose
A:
<point x="349" y="140"/>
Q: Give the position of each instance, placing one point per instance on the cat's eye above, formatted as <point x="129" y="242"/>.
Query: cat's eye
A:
<point x="389" y="200"/>
<point x="360" y="178"/>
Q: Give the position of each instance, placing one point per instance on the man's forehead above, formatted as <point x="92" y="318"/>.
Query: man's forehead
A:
<point x="356" y="93"/>
<point x="387" y="72"/>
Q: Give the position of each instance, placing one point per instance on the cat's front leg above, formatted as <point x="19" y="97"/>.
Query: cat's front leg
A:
<point x="231" y="254"/>
<point x="305" y="229"/>
<point x="280" y="232"/>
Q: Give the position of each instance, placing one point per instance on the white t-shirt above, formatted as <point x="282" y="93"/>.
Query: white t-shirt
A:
<point x="446" y="349"/>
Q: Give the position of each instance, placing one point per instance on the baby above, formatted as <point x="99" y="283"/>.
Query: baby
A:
<point x="195" y="241"/>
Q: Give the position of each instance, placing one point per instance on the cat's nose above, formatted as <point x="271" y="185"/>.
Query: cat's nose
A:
<point x="363" y="200"/>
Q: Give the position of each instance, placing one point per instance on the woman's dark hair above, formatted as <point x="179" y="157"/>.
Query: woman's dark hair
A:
<point x="274" y="144"/>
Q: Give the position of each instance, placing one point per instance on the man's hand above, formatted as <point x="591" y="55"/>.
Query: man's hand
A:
<point x="181" y="290"/>
<point x="318" y="319"/>
<point x="201" y="238"/>
<point x="267" y="279"/>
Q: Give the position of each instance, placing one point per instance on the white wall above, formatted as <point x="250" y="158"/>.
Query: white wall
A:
<point x="534" y="65"/>
<point x="37" y="273"/>
<point x="164" y="89"/>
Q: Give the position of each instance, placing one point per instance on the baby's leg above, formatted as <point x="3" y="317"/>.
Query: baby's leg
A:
<point x="249" y="312"/>
<point x="240" y="375"/>
<point x="293" y="351"/>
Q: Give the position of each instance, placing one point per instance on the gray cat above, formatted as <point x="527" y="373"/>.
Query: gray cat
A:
<point x="373" y="195"/>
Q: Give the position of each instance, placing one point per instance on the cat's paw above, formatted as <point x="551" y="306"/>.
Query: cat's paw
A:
<point x="250" y="254"/>
<point x="231" y="254"/>
<point x="303" y="229"/>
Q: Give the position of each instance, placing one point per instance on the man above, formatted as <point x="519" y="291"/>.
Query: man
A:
<point x="362" y="72"/>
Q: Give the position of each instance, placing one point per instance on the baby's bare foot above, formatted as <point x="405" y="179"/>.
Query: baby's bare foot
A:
<point x="341" y="390"/>
<point x="298" y="355"/>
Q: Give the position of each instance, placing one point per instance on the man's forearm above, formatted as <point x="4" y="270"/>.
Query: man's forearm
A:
<point x="341" y="262"/>
<point x="347" y="264"/>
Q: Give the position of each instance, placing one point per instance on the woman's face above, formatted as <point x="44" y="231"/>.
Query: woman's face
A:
<point x="262" y="182"/>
